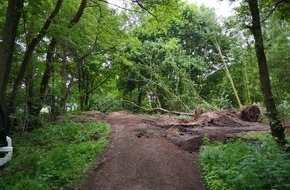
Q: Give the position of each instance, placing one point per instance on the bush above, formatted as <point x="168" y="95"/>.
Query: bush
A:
<point x="55" y="156"/>
<point x="240" y="165"/>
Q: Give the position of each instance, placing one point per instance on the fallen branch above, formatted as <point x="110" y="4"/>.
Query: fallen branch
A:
<point x="228" y="73"/>
<point x="168" y="111"/>
<point x="159" y="109"/>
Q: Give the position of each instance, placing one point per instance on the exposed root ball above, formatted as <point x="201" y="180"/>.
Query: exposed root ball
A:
<point x="250" y="113"/>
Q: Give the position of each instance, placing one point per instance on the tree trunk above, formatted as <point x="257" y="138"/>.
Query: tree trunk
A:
<point x="64" y="79"/>
<point x="13" y="16"/>
<point x="140" y="94"/>
<point x="32" y="120"/>
<point x="83" y="85"/>
<point x="78" y="14"/>
<point x="36" y="106"/>
<point x="277" y="129"/>
<point x="87" y="89"/>
<point x="48" y="70"/>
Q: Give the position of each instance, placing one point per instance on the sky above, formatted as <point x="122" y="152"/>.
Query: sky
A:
<point x="223" y="9"/>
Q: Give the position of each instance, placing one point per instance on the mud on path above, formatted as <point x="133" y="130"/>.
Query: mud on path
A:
<point x="158" y="153"/>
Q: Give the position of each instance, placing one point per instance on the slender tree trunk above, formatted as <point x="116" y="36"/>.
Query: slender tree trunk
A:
<point x="87" y="89"/>
<point x="229" y="75"/>
<point x="7" y="44"/>
<point x="81" y="87"/>
<point x="48" y="70"/>
<point x="140" y="94"/>
<point x="64" y="81"/>
<point x="36" y="106"/>
<point x="276" y="125"/>
<point x="32" y="119"/>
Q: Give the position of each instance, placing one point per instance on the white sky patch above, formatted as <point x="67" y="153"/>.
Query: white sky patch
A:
<point x="118" y="3"/>
<point x="222" y="8"/>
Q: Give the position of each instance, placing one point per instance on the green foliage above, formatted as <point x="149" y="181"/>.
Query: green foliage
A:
<point x="284" y="107"/>
<point x="178" y="64"/>
<point x="106" y="104"/>
<point x="278" y="46"/>
<point x="240" y="165"/>
<point x="158" y="13"/>
<point x="161" y="72"/>
<point x="55" y="156"/>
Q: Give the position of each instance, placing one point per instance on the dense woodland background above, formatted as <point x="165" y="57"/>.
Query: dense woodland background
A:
<point x="81" y="55"/>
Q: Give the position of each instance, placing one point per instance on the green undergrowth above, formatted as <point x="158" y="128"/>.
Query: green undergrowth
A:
<point x="56" y="156"/>
<point x="240" y="165"/>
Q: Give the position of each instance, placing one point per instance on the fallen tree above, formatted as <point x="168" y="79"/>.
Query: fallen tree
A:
<point x="150" y="110"/>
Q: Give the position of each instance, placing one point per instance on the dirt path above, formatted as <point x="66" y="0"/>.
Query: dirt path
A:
<point x="140" y="158"/>
<point x="157" y="153"/>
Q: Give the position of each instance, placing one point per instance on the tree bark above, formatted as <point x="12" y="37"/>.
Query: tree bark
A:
<point x="64" y="79"/>
<point x="140" y="94"/>
<point x="32" y="119"/>
<point x="78" y="14"/>
<point x="48" y="70"/>
<point x="36" y="106"/>
<point x="277" y="129"/>
<point x="13" y="16"/>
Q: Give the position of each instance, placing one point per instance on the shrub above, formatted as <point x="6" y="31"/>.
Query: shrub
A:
<point x="55" y="156"/>
<point x="240" y="165"/>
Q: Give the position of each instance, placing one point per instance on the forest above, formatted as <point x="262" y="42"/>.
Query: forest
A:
<point x="88" y="55"/>
<point x="59" y="57"/>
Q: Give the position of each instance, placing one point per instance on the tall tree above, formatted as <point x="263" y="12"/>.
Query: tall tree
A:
<point x="7" y="44"/>
<point x="256" y="29"/>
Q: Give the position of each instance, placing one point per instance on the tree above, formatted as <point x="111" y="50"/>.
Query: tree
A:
<point x="7" y="43"/>
<point x="276" y="125"/>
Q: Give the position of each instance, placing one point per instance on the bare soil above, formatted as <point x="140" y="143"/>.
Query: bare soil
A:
<point x="159" y="152"/>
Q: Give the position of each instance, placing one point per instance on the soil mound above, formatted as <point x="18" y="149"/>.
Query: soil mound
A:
<point x="222" y="119"/>
<point x="220" y="125"/>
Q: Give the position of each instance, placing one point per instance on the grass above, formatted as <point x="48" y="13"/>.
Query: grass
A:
<point x="56" y="156"/>
<point x="240" y="165"/>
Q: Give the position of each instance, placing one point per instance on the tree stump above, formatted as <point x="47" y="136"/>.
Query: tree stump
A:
<point x="250" y="113"/>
